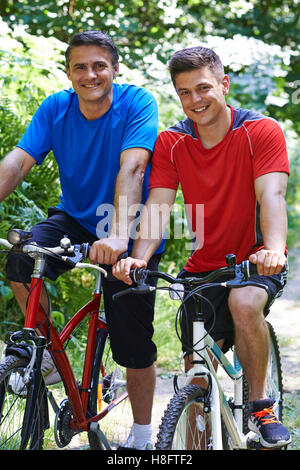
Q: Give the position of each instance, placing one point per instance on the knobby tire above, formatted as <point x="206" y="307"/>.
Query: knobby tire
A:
<point x="13" y="401"/>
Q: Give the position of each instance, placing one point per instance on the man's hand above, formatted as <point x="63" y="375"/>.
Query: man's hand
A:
<point x="122" y="268"/>
<point x="107" y="250"/>
<point x="268" y="262"/>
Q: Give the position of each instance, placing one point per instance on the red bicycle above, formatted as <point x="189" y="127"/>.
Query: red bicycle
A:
<point x="24" y="397"/>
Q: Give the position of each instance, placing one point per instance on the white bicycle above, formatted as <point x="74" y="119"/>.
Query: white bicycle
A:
<point x="204" y="417"/>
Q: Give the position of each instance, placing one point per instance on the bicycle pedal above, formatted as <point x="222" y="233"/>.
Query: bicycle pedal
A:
<point x="256" y="445"/>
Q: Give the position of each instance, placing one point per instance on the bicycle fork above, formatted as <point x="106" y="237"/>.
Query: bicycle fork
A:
<point x="200" y="370"/>
<point x="32" y="373"/>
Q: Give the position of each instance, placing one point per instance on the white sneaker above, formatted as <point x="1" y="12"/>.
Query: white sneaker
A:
<point x="145" y="446"/>
<point x="16" y="385"/>
<point x="136" y="444"/>
<point x="3" y="355"/>
<point x="49" y="371"/>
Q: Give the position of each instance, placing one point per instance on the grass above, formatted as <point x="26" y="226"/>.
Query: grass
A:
<point x="291" y="417"/>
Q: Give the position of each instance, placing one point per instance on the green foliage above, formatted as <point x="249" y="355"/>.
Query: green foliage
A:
<point x="168" y="344"/>
<point x="29" y="72"/>
<point x="150" y="31"/>
<point x="293" y="198"/>
<point x="136" y="26"/>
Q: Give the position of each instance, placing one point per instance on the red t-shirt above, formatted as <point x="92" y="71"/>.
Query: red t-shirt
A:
<point x="218" y="183"/>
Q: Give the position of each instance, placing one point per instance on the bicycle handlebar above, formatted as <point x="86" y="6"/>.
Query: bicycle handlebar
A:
<point x="73" y="255"/>
<point x="240" y="275"/>
<point x="65" y="253"/>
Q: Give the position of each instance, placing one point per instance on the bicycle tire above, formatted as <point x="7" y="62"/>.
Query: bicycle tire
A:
<point x="187" y="406"/>
<point x="95" y="441"/>
<point x="117" y="423"/>
<point x="274" y="385"/>
<point x="13" y="401"/>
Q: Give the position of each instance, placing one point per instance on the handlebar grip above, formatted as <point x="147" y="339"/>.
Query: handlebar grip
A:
<point x="108" y="268"/>
<point x="248" y="269"/>
<point x="138" y="275"/>
<point x="85" y="249"/>
<point x="253" y="268"/>
<point x="123" y="255"/>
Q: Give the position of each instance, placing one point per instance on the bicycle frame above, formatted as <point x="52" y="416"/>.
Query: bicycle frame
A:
<point x="35" y="319"/>
<point x="204" y="351"/>
<point x="218" y="401"/>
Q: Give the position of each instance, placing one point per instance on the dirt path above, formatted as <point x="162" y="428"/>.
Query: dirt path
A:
<point x="285" y="317"/>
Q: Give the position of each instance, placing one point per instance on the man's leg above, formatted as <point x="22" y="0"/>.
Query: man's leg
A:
<point x="130" y="325"/>
<point x="140" y="386"/>
<point x="251" y="336"/>
<point x="252" y="348"/>
<point x="21" y="296"/>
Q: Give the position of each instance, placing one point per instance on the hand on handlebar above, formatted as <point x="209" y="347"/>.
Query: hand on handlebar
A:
<point x="107" y="250"/>
<point x="122" y="268"/>
<point x="268" y="262"/>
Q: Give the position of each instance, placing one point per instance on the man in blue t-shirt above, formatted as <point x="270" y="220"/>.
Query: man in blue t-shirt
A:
<point x="102" y="135"/>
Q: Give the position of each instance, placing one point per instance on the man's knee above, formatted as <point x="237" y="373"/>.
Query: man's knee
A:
<point x="247" y="305"/>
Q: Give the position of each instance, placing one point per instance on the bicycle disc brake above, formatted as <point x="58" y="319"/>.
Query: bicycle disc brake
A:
<point x="62" y="429"/>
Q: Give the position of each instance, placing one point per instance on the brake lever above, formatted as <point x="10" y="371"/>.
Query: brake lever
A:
<point x="236" y="284"/>
<point x="77" y="256"/>
<point x="140" y="289"/>
<point x="239" y="281"/>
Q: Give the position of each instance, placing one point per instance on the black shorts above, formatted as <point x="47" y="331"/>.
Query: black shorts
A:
<point x="219" y="321"/>
<point x="129" y="319"/>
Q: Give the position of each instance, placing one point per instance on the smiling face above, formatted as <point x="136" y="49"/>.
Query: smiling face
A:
<point x="92" y="72"/>
<point x="202" y="95"/>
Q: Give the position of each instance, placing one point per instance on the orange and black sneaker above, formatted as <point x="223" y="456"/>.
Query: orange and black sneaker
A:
<point x="264" y="422"/>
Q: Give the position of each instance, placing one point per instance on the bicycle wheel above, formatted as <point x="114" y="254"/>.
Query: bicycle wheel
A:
<point x="13" y="400"/>
<point x="273" y="380"/>
<point x="274" y="374"/>
<point x="185" y="424"/>
<point x="117" y="423"/>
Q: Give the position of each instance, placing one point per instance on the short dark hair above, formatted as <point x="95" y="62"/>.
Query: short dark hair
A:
<point x="193" y="58"/>
<point x="97" y="38"/>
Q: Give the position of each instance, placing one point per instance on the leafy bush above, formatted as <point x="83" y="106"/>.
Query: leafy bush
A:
<point x="32" y="68"/>
<point x="29" y="72"/>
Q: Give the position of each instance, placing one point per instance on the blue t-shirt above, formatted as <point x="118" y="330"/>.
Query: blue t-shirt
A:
<point x="88" y="152"/>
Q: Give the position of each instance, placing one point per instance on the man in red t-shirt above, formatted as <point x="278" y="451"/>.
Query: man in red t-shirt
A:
<point x="233" y="165"/>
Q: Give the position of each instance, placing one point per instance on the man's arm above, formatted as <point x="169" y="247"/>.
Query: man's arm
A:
<point x="154" y="219"/>
<point x="13" y="169"/>
<point x="128" y="193"/>
<point x="270" y="192"/>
